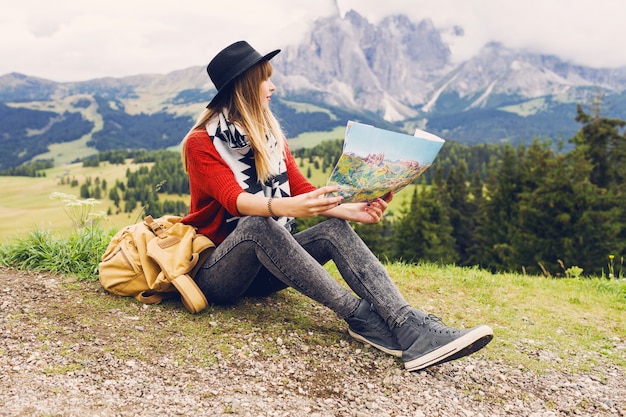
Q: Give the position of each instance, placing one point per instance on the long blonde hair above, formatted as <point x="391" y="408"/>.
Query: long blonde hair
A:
<point x="245" y="107"/>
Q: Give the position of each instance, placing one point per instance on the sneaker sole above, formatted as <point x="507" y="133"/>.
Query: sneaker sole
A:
<point x="465" y="345"/>
<point x="474" y="347"/>
<point x="396" y="353"/>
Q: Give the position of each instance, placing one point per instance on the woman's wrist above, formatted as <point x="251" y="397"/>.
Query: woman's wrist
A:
<point x="269" y="207"/>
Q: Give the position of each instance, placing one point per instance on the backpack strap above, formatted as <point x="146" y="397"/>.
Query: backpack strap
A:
<point x="165" y="240"/>
<point x="154" y="226"/>
<point x="154" y="297"/>
<point x="191" y="296"/>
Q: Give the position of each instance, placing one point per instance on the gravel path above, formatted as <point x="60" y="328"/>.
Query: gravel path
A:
<point x="76" y="372"/>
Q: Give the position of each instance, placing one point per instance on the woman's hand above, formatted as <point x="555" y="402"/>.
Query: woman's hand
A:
<point x="367" y="213"/>
<point x="304" y="205"/>
<point x="310" y="204"/>
<point x="314" y="204"/>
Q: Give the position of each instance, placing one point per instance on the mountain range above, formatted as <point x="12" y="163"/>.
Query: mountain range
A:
<point x="396" y="74"/>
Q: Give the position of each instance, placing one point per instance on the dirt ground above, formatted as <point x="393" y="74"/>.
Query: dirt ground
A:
<point x="60" y="356"/>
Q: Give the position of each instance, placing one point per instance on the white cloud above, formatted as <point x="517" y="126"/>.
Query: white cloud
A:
<point x="586" y="32"/>
<point x="71" y="40"/>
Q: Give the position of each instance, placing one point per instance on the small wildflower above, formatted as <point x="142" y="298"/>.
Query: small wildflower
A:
<point x="79" y="211"/>
<point x="611" y="266"/>
<point x="574" y="272"/>
<point x="97" y="216"/>
<point x="62" y="196"/>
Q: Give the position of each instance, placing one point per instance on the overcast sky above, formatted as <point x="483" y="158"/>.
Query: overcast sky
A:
<point x="75" y="40"/>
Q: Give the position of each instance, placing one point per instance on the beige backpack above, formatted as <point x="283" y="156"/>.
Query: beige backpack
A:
<point x="155" y="260"/>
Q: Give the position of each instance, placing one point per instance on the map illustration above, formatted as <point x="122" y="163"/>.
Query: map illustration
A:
<point x="376" y="161"/>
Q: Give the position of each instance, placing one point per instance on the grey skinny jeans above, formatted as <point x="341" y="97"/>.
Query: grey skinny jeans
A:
<point x="261" y="257"/>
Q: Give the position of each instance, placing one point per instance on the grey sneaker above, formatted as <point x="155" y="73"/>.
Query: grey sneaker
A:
<point x="367" y="326"/>
<point x="437" y="343"/>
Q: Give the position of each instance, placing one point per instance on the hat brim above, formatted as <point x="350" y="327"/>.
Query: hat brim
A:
<point x="226" y="87"/>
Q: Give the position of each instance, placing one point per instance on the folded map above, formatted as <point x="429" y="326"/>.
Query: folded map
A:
<point x="376" y="161"/>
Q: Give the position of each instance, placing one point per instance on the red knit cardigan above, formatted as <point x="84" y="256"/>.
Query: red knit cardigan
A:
<point x="214" y="189"/>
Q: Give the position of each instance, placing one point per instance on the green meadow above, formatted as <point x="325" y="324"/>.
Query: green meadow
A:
<point x="25" y="202"/>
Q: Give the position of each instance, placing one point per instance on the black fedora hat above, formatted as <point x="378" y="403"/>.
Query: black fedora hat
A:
<point x="233" y="61"/>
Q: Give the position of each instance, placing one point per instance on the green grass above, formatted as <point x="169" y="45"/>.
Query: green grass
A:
<point x="66" y="152"/>
<point x="541" y="324"/>
<point x="527" y="108"/>
<point x="537" y="321"/>
<point x="25" y="202"/>
<point x="77" y="254"/>
<point x="549" y="333"/>
<point x="308" y="108"/>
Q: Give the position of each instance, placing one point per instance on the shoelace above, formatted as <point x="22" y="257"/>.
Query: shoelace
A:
<point x="434" y="323"/>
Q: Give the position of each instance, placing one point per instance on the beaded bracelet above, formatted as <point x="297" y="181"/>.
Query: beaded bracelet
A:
<point x="269" y="207"/>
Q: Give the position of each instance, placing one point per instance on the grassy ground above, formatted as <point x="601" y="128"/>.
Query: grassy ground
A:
<point x="310" y="139"/>
<point x="540" y="324"/>
<point x="70" y="348"/>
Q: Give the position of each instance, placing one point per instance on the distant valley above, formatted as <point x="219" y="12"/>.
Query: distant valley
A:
<point x="397" y="75"/>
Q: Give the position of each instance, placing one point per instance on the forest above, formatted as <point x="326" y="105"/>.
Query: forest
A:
<point x="535" y="208"/>
<point x="529" y="208"/>
<point x="27" y="133"/>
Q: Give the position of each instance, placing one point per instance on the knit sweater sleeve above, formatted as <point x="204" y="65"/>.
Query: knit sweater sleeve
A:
<point x="213" y="188"/>
<point x="209" y="175"/>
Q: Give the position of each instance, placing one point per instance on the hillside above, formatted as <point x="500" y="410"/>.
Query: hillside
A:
<point x="395" y="74"/>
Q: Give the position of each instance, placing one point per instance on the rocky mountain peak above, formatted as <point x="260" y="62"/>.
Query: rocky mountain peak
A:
<point x="383" y="68"/>
<point x="397" y="66"/>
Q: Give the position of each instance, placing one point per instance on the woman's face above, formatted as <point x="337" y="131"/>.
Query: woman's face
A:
<point x="265" y="91"/>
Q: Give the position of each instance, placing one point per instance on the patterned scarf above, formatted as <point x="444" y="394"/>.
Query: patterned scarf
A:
<point x="234" y="148"/>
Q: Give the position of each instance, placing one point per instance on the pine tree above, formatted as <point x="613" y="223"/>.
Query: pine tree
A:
<point x="597" y="226"/>
<point x="409" y="232"/>
<point x="424" y="232"/>
<point x="442" y="245"/>
<point x="461" y="211"/>
<point x="546" y="216"/>
<point x="377" y="237"/>
<point x="493" y="248"/>
<point x="603" y="145"/>
<point x="600" y="143"/>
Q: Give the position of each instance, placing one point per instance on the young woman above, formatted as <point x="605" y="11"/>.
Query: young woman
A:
<point x="246" y="190"/>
